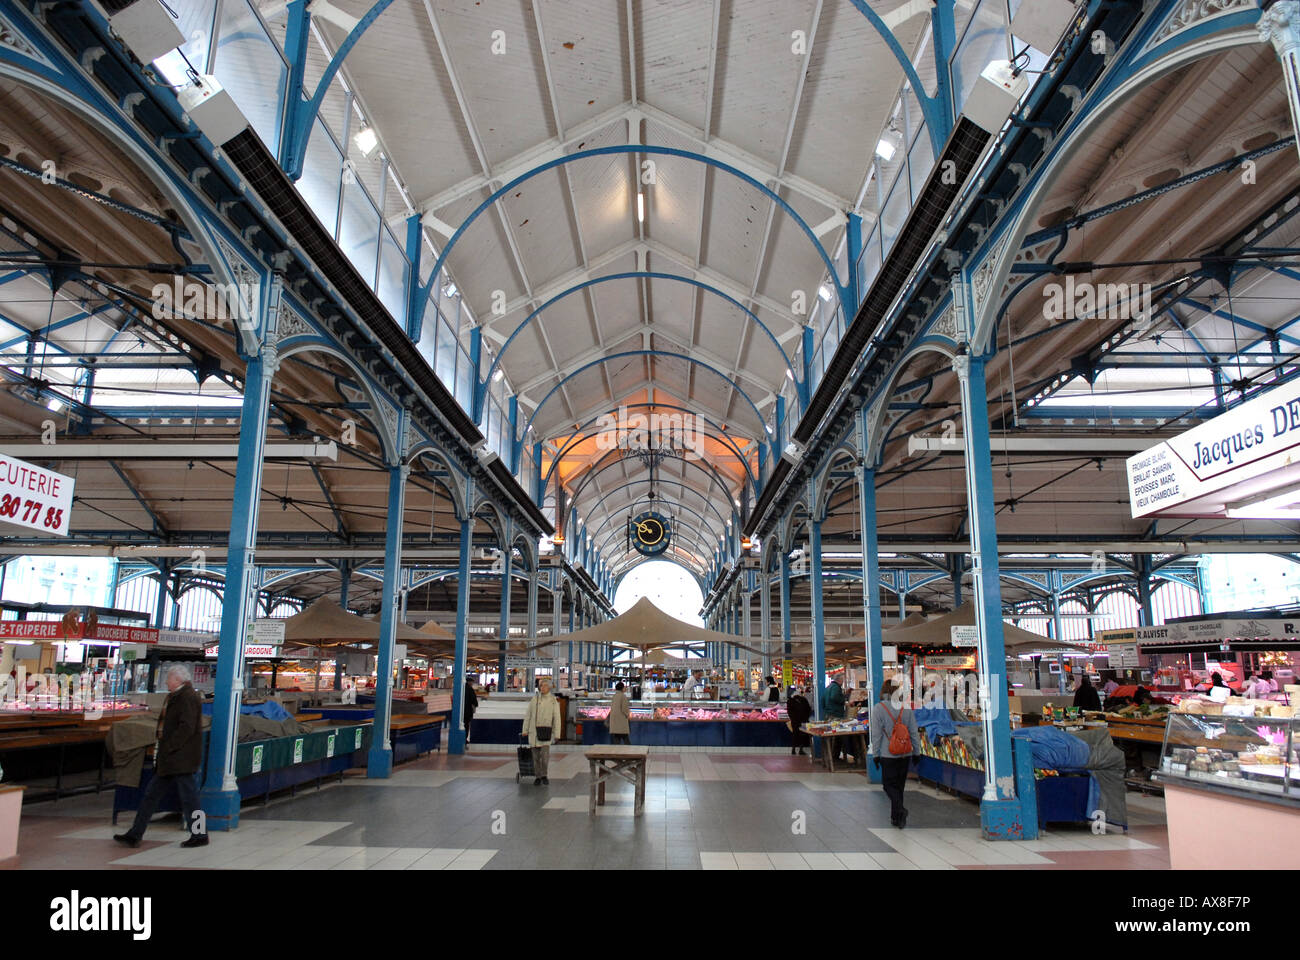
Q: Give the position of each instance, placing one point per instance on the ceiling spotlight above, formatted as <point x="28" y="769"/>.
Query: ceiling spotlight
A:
<point x="789" y="373"/>
<point x="825" y="293"/>
<point x="366" y="140"/>
<point x="640" y="208"/>
<point x="55" y="404"/>
<point x="885" y="149"/>
<point x="496" y="377"/>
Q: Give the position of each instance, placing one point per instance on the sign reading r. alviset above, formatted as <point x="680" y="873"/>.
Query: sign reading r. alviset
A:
<point x="34" y="497"/>
<point x="1202" y="471"/>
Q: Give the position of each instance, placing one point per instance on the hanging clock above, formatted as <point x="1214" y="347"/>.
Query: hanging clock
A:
<point x="650" y="534"/>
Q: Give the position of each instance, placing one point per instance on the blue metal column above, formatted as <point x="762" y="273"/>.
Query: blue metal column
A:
<point x="765" y="620"/>
<point x="818" y="621"/>
<point x="456" y="736"/>
<point x="220" y="794"/>
<point x="1058" y="634"/>
<point x="870" y="541"/>
<point x="380" y="761"/>
<point x="1000" y="811"/>
<point x="854" y="236"/>
<point x="1142" y="562"/>
<point x="504" y="628"/>
<point x="785" y="602"/>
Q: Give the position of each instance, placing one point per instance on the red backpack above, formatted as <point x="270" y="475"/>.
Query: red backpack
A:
<point x="900" y="740"/>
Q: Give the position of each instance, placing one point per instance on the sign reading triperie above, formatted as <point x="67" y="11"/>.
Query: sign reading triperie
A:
<point x="1224" y="467"/>
<point x="55" y="630"/>
<point x="31" y="496"/>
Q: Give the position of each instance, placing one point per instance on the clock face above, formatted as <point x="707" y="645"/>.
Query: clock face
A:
<point x="650" y="534"/>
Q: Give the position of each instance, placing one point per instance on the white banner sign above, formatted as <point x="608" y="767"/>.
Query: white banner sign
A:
<point x="31" y="496"/>
<point x="1244" y="444"/>
<point x="966" y="636"/>
<point x="186" y="639"/>
<point x="252" y="651"/>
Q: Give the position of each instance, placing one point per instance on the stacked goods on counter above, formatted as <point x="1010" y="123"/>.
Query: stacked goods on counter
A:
<point x="950" y="750"/>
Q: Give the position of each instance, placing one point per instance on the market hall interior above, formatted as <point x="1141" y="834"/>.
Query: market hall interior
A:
<point x="369" y="366"/>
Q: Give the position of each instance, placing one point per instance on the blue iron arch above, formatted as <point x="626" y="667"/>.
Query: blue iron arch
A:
<point x="846" y="300"/>
<point x="481" y="386"/>
<point x="579" y="436"/>
<point x="642" y="353"/>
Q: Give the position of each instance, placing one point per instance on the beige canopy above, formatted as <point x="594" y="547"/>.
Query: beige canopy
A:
<point x="659" y="658"/>
<point x="937" y="632"/>
<point x="433" y="629"/>
<point x="324" y="622"/>
<point x="644" y="626"/>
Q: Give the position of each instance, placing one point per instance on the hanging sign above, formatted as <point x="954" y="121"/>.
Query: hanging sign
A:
<point x="297" y="750"/>
<point x="257" y="759"/>
<point x="1218" y="469"/>
<point x="33" y="497"/>
<point x="966" y="636"/>
<point x="888" y="654"/>
<point x="529" y="663"/>
<point x="787" y="673"/>
<point x="185" y="639"/>
<point x="57" y="630"/>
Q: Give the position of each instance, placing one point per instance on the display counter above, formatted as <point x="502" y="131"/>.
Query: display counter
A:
<point x="264" y="766"/>
<point x="690" y="723"/>
<point x="1240" y="770"/>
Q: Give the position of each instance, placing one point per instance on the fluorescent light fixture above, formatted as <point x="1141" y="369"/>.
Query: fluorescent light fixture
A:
<point x="768" y="428"/>
<point x="737" y="503"/>
<point x="496" y="377"/>
<point x="366" y="140"/>
<point x="55" y="404"/>
<point x="1266" y="503"/>
<point x="885" y="149"/>
<point x="640" y="208"/>
<point x="825" y="293"/>
<point x="789" y="373"/>
<point x="449" y="290"/>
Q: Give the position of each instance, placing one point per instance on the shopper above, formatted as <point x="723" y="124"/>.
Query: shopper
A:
<point x="177" y="760"/>
<point x="542" y="728"/>
<point x="833" y="709"/>
<point x="799" y="711"/>
<point x="471" y="704"/>
<point x="1085" y="696"/>
<point x="773" y="691"/>
<point x="892" y="752"/>
<point x="619" y="715"/>
<point x="1273" y="685"/>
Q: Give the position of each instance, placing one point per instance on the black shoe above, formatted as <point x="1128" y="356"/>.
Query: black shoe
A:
<point x="198" y="840"/>
<point x="902" y="821"/>
<point x="792" y="751"/>
<point x="126" y="838"/>
<point x="546" y="782"/>
<point x="537" y="781"/>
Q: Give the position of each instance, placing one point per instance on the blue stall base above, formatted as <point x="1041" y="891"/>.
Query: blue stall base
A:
<point x="693" y="733"/>
<point x="410" y="744"/>
<point x="494" y="731"/>
<point x="262" y="785"/>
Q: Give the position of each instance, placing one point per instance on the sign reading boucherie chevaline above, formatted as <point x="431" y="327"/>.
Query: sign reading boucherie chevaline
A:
<point x="31" y="496"/>
<point x="1230" y="458"/>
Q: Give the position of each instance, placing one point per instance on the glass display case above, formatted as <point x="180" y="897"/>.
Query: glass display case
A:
<point x="665" y="709"/>
<point x="1251" y="754"/>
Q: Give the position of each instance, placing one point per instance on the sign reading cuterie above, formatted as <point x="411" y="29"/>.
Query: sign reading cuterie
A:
<point x="34" y="497"/>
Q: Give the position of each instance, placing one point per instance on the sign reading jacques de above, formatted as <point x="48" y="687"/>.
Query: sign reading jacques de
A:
<point x="1202" y="472"/>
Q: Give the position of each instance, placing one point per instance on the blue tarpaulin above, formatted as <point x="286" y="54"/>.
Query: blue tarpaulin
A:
<point x="936" y="722"/>
<point x="269" y="710"/>
<point x="1054" y="749"/>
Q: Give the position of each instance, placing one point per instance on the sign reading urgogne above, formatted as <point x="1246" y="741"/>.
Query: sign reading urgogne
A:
<point x="1227" y="466"/>
<point x="31" y="496"/>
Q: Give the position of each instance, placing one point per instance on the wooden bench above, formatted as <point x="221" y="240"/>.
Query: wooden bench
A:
<point x="626" y="762"/>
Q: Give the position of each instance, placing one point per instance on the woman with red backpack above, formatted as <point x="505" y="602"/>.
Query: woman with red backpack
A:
<point x="894" y="741"/>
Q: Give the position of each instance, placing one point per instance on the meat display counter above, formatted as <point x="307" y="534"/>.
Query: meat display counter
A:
<point x="690" y="723"/>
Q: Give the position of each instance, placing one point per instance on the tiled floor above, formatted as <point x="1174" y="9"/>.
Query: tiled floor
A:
<point x="733" y="811"/>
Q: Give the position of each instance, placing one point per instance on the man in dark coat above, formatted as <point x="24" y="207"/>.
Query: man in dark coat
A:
<point x="799" y="710"/>
<point x="178" y="758"/>
<point x="471" y="704"/>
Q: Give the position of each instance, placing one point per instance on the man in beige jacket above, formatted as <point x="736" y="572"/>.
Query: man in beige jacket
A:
<point x="542" y="728"/>
<point x="619" y="716"/>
